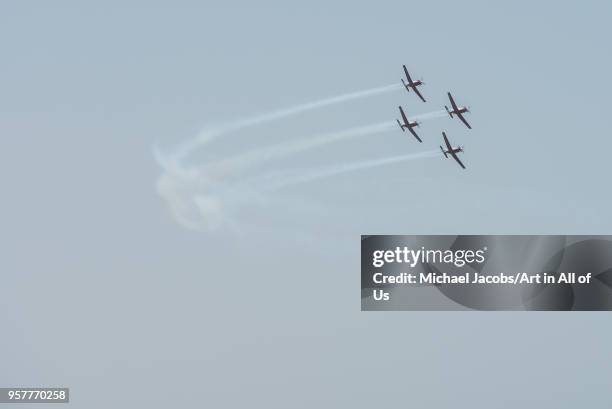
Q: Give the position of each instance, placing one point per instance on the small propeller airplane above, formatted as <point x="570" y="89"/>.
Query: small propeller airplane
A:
<point x="412" y="84"/>
<point x="459" y="111"/>
<point x="452" y="151"/>
<point x="408" y="125"/>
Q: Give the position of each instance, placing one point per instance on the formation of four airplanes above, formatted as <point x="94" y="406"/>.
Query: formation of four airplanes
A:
<point x="456" y="110"/>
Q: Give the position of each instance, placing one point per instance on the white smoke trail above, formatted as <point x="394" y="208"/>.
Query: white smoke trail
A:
<point x="276" y="182"/>
<point x="280" y="150"/>
<point x="208" y="135"/>
<point x="275" y="151"/>
<point x="431" y="115"/>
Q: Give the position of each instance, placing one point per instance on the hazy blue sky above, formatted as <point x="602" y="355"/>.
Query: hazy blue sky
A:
<point x="104" y="292"/>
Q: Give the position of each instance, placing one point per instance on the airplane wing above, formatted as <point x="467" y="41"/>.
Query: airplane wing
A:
<point x="452" y="101"/>
<point x="448" y="145"/>
<point x="457" y="159"/>
<point x="407" y="75"/>
<point x="416" y="91"/>
<point x="414" y="134"/>
<point x="403" y="116"/>
<point x="464" y="121"/>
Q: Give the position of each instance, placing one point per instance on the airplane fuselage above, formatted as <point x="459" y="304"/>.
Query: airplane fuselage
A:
<point x="408" y="125"/>
<point x="415" y="84"/>
<point x="461" y="110"/>
<point x="455" y="150"/>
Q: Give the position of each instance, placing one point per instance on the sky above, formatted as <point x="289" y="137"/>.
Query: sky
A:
<point x="106" y="292"/>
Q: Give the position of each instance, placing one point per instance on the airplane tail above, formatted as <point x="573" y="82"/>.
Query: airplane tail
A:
<point x="400" y="125"/>
<point x="449" y="112"/>
<point x="444" y="152"/>
<point x="405" y="85"/>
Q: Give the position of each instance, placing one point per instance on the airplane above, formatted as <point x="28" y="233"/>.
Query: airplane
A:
<point x="412" y="84"/>
<point x="457" y="111"/>
<point x="452" y="151"/>
<point x="408" y="125"/>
